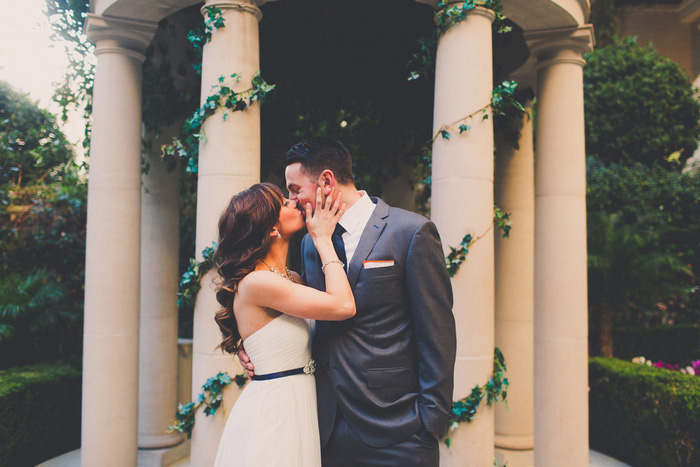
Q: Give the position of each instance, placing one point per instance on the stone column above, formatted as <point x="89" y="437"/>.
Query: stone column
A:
<point x="229" y="162"/>
<point x="561" y="309"/>
<point x="462" y="202"/>
<point x="515" y="193"/>
<point x="111" y="335"/>
<point x="160" y="241"/>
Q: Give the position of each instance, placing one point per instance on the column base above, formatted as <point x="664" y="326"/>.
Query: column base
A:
<point x="164" y="457"/>
<point x="159" y="441"/>
<point x="515" y="443"/>
<point x="170" y="457"/>
<point x="515" y="458"/>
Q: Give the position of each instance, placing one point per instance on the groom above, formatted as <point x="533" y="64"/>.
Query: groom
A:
<point x="384" y="378"/>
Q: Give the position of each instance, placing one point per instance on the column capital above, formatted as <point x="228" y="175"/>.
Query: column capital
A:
<point x="242" y="6"/>
<point x="689" y="11"/>
<point x="123" y="35"/>
<point x="565" y="45"/>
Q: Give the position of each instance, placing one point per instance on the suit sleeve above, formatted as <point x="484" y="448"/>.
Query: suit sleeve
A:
<point x="430" y="295"/>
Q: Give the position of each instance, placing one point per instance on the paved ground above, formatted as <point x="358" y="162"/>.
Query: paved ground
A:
<point x="72" y="459"/>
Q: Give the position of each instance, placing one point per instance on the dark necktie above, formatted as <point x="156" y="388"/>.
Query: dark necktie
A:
<point x="322" y="327"/>
<point x="339" y="245"/>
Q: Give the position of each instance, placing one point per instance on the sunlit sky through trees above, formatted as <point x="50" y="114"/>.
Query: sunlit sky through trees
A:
<point x="30" y="60"/>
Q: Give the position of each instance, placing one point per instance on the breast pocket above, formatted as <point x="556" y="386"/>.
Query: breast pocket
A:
<point x="378" y="272"/>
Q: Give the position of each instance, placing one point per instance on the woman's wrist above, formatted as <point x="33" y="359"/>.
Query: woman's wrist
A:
<point x="332" y="261"/>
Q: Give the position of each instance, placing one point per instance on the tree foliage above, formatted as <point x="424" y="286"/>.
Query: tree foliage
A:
<point x="42" y="231"/>
<point x="67" y="19"/>
<point x="643" y="239"/>
<point x="627" y="270"/>
<point x="31" y="146"/>
<point x="603" y="20"/>
<point x="25" y="302"/>
<point x="639" y="106"/>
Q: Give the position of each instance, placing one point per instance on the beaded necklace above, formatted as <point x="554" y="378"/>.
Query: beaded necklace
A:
<point x="288" y="276"/>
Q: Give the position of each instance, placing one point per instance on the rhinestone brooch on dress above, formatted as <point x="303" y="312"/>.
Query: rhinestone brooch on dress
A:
<point x="310" y="367"/>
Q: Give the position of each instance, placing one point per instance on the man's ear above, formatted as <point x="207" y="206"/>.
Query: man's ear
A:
<point x="326" y="180"/>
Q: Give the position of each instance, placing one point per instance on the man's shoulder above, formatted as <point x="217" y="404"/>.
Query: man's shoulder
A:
<point x="404" y="219"/>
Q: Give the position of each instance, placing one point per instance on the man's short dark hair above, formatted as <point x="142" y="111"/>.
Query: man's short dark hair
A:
<point x="318" y="154"/>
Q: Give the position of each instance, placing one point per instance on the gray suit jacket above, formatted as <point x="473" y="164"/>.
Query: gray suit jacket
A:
<point x="389" y="369"/>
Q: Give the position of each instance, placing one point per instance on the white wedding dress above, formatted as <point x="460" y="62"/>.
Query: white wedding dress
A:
<point x="274" y="422"/>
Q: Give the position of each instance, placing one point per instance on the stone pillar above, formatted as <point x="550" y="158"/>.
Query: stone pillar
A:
<point x="462" y="202"/>
<point x="160" y="239"/>
<point x="515" y="193"/>
<point x="561" y="309"/>
<point x="229" y="162"/>
<point x="111" y="335"/>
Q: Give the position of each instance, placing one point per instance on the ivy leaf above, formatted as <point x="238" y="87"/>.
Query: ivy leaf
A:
<point x="445" y="134"/>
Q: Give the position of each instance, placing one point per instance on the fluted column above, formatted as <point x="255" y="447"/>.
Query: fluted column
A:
<point x="111" y="333"/>
<point x="515" y="193"/>
<point x="462" y="202"/>
<point x="561" y="324"/>
<point x="160" y="242"/>
<point x="229" y="161"/>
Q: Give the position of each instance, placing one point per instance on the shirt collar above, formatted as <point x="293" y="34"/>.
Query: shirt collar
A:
<point x="358" y="214"/>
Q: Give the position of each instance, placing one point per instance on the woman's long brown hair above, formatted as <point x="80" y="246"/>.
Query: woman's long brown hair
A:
<point x="244" y="240"/>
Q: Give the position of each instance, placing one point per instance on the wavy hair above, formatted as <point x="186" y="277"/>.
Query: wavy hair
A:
<point x="244" y="240"/>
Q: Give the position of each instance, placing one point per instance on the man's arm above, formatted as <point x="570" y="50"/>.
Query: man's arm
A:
<point x="430" y="295"/>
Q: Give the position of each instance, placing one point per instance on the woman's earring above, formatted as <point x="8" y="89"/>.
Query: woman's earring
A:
<point x="275" y="233"/>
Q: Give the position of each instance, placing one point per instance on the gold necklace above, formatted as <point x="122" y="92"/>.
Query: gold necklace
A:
<point x="288" y="276"/>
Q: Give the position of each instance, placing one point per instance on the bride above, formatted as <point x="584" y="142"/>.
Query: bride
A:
<point x="266" y="306"/>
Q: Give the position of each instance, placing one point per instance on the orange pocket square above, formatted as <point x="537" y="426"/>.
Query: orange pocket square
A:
<point x="377" y="264"/>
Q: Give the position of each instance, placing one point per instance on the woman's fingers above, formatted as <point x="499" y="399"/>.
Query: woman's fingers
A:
<point x="340" y="212"/>
<point x="308" y="212"/>
<point x="336" y="205"/>
<point x="318" y="199"/>
<point x="329" y="200"/>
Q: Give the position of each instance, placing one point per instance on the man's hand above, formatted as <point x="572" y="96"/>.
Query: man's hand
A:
<point x="245" y="362"/>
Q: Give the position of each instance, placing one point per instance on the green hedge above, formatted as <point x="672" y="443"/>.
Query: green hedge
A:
<point x="39" y="412"/>
<point x="678" y="344"/>
<point x="642" y="415"/>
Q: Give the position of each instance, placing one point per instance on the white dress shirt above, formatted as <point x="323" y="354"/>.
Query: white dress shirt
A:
<point x="354" y="221"/>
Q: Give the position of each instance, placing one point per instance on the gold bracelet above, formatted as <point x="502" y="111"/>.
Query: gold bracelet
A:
<point x="323" y="268"/>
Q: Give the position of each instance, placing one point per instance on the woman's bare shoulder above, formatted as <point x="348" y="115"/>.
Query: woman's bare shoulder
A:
<point x="259" y="281"/>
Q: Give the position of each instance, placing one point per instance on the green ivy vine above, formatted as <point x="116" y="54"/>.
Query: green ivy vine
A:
<point x="458" y="255"/>
<point x="213" y="18"/>
<point x="210" y="398"/>
<point x="191" y="280"/>
<point x="422" y="63"/>
<point x="502" y="101"/>
<point x="495" y="389"/>
<point x="224" y="98"/>
<point x="448" y="14"/>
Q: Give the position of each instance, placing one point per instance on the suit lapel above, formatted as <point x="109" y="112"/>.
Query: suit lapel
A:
<point x="370" y="235"/>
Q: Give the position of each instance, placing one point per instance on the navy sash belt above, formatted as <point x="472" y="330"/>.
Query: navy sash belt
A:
<point x="308" y="369"/>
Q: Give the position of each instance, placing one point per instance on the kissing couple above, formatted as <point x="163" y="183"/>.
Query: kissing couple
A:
<point x="372" y="306"/>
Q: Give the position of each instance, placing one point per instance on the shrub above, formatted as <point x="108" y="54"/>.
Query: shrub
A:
<point x="644" y="416"/>
<point x="40" y="408"/>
